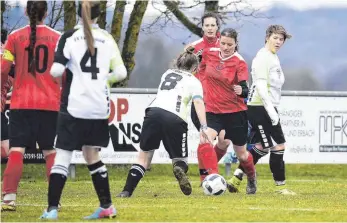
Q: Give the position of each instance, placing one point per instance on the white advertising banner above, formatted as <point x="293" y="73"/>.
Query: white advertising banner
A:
<point x="315" y="129"/>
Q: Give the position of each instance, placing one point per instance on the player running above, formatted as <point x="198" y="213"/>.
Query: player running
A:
<point x="263" y="102"/>
<point x="166" y="120"/>
<point x="35" y="96"/>
<point x="87" y="54"/>
<point x="225" y="84"/>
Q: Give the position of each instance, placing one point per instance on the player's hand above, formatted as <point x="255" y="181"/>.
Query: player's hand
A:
<point x="274" y="118"/>
<point x="203" y="135"/>
<point x="237" y="89"/>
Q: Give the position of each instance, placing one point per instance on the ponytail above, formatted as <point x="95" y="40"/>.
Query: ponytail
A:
<point x="86" y="26"/>
<point x="36" y="11"/>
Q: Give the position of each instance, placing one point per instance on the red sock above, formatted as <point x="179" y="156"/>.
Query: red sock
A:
<point x="49" y="163"/>
<point x="208" y="157"/>
<point x="13" y="172"/>
<point x="202" y="170"/>
<point x="248" y="166"/>
<point x="219" y="152"/>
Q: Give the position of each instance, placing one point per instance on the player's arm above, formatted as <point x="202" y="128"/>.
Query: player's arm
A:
<point x="7" y="60"/>
<point x="117" y="67"/>
<point x="242" y="76"/>
<point x="61" y="56"/>
<point x="261" y="71"/>
<point x="197" y="97"/>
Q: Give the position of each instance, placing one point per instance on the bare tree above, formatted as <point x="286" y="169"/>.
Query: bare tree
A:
<point x="69" y="14"/>
<point x="102" y="17"/>
<point x="117" y="20"/>
<point x="55" y="14"/>
<point x="131" y="37"/>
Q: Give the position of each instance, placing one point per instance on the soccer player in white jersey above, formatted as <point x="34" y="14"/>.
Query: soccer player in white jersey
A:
<point x="87" y="54"/>
<point x="166" y="121"/>
<point x="263" y="102"/>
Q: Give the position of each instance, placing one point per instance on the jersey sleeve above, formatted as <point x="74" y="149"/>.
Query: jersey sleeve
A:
<point x="62" y="51"/>
<point x="242" y="71"/>
<point x="117" y="66"/>
<point x="196" y="89"/>
<point x="260" y="68"/>
<point x="9" y="49"/>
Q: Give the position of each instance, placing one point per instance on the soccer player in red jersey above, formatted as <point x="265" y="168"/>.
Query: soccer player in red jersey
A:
<point x="35" y="97"/>
<point x="225" y="76"/>
<point x="211" y="38"/>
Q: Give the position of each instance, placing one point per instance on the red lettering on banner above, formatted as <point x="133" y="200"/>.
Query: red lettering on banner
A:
<point x="112" y="112"/>
<point x="122" y="108"/>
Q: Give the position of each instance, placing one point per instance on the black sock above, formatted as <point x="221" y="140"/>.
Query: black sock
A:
<point x="181" y="164"/>
<point x="277" y="165"/>
<point x="135" y="174"/>
<point x="55" y="189"/>
<point x="99" y="175"/>
<point x="257" y="154"/>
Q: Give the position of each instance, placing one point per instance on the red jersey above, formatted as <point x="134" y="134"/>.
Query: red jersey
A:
<point x="202" y="44"/>
<point x="42" y="92"/>
<point x="220" y="74"/>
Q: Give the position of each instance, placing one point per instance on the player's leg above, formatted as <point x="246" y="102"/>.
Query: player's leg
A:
<point x="222" y="145"/>
<point x="206" y="154"/>
<point x="256" y="116"/>
<point x="236" y="125"/>
<point x="150" y="138"/>
<point x="100" y="179"/>
<point x="20" y="131"/>
<point x="46" y="135"/>
<point x="277" y="164"/>
<point x="5" y="143"/>
<point x="137" y="172"/>
<point x="68" y="139"/>
<point x="176" y="144"/>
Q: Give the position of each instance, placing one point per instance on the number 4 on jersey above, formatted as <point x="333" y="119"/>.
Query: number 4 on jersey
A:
<point x="92" y="69"/>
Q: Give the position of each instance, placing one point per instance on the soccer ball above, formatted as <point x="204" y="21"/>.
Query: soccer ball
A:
<point x="214" y="184"/>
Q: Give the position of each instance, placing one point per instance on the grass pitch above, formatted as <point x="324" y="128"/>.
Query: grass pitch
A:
<point x="321" y="196"/>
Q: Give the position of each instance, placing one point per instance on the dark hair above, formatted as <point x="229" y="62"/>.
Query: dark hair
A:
<point x="86" y="17"/>
<point x="210" y="15"/>
<point x="187" y="60"/>
<point x="277" y="29"/>
<point x="3" y="35"/>
<point x="229" y="32"/>
<point x="35" y="10"/>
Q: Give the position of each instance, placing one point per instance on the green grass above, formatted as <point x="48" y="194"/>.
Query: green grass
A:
<point x="321" y="196"/>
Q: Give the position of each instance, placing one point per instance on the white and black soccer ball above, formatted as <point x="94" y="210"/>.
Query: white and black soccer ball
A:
<point x="214" y="184"/>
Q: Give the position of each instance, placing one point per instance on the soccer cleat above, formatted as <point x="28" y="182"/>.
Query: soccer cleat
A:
<point x="8" y="206"/>
<point x="103" y="213"/>
<point x="124" y="194"/>
<point x="233" y="184"/>
<point x="52" y="214"/>
<point x="183" y="180"/>
<point x="251" y="185"/>
<point x="285" y="192"/>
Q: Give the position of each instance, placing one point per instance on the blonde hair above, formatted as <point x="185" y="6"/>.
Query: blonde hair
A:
<point x="86" y="6"/>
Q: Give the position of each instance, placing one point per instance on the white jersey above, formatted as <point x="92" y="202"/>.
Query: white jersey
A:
<point x="86" y="94"/>
<point x="266" y="66"/>
<point x="176" y="89"/>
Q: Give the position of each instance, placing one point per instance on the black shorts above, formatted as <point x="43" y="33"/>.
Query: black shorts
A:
<point x="234" y="124"/>
<point x="73" y="133"/>
<point x="4" y="127"/>
<point x="28" y="127"/>
<point x="194" y="117"/>
<point x="161" y="125"/>
<point x="265" y="132"/>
